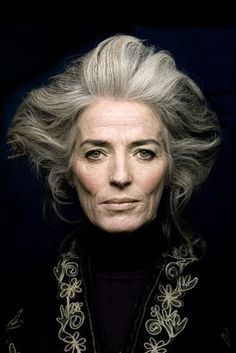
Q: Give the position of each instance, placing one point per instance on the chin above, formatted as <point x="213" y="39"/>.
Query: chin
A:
<point x="120" y="226"/>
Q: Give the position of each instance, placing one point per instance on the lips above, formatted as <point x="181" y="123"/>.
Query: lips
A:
<point x="120" y="204"/>
<point x="120" y="201"/>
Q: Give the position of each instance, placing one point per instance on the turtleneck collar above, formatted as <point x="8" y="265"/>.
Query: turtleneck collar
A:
<point x="121" y="251"/>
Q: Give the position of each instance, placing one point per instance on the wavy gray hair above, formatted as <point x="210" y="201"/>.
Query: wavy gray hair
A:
<point x="123" y="67"/>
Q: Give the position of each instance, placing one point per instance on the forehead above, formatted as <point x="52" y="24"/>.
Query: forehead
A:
<point x="108" y="114"/>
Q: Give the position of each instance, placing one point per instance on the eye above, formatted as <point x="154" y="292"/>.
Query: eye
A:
<point x="145" y="154"/>
<point x="94" y="155"/>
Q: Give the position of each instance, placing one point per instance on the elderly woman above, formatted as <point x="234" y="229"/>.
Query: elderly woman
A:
<point x="132" y="137"/>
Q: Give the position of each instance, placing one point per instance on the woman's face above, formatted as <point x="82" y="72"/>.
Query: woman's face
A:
<point x="119" y="164"/>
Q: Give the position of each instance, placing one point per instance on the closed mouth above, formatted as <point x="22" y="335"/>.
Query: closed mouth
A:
<point x="120" y="201"/>
<point x="120" y="204"/>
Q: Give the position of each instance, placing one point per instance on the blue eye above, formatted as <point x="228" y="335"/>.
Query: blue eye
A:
<point x="94" y="154"/>
<point x="145" y="154"/>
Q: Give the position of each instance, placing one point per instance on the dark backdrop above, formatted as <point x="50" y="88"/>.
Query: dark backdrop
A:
<point x="205" y="47"/>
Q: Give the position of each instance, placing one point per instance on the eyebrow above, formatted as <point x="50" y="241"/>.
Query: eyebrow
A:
<point x="103" y="143"/>
<point x="145" y="142"/>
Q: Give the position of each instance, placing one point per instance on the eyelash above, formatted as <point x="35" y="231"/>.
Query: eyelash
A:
<point x="90" y="155"/>
<point x="149" y="154"/>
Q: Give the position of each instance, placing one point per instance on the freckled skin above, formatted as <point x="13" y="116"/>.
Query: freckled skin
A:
<point x="119" y="155"/>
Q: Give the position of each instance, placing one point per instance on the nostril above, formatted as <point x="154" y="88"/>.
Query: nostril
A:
<point x="120" y="175"/>
<point x="120" y="179"/>
<point x="120" y="184"/>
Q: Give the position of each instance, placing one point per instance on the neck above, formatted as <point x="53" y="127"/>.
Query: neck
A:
<point x="122" y="251"/>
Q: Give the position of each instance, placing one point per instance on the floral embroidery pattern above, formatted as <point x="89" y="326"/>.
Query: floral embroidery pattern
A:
<point x="154" y="347"/>
<point x="12" y="348"/>
<point x="15" y="323"/>
<point x="226" y="337"/>
<point x="165" y="317"/>
<point x="71" y="315"/>
<point x="70" y="289"/>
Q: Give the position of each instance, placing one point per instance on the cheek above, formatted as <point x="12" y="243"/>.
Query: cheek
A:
<point x="86" y="178"/>
<point x="153" y="181"/>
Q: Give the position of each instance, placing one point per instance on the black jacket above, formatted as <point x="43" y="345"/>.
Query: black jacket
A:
<point x="183" y="304"/>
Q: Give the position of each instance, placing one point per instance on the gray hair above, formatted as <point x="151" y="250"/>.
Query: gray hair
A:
<point x="121" y="67"/>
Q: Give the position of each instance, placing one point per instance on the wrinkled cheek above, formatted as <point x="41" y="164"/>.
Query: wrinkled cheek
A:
<point x="155" y="198"/>
<point x="86" y="182"/>
<point x="85" y="200"/>
<point x="86" y="191"/>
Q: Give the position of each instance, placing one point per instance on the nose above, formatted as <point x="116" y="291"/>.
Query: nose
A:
<point x="120" y="175"/>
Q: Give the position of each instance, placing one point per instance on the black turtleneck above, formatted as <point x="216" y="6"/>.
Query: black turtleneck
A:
<point x="120" y="263"/>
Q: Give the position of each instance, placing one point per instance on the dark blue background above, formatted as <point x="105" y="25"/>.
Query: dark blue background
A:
<point x="203" y="47"/>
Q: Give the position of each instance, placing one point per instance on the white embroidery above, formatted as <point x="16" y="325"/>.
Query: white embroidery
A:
<point x="12" y="348"/>
<point x="15" y="323"/>
<point x="72" y="316"/>
<point x="226" y="337"/>
<point x="154" y="347"/>
<point x="164" y="313"/>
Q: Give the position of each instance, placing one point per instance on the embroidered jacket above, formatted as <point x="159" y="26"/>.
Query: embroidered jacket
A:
<point x="175" y="314"/>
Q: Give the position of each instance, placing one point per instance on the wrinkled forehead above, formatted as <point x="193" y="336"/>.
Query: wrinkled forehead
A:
<point x="108" y="114"/>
